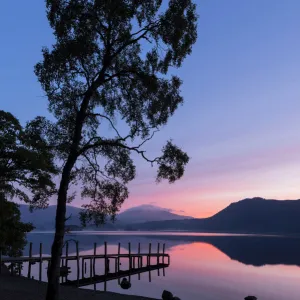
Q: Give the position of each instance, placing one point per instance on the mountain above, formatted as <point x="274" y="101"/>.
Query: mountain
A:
<point x="44" y="219"/>
<point x="256" y="215"/>
<point x="146" y="213"/>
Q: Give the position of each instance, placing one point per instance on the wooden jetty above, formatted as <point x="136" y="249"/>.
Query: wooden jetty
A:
<point x="138" y="263"/>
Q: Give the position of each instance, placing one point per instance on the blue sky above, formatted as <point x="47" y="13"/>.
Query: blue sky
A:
<point x="240" y="120"/>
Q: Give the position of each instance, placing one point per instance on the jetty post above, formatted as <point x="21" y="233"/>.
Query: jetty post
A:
<point x="29" y="262"/>
<point x="40" y="262"/>
<point x="130" y="260"/>
<point x="139" y="260"/>
<point x="140" y="263"/>
<point x="119" y="252"/>
<point x="158" y="249"/>
<point x="149" y="256"/>
<point x="77" y="261"/>
<point x="94" y="260"/>
<point x="67" y="261"/>
<point x="129" y="256"/>
<point x="106" y="264"/>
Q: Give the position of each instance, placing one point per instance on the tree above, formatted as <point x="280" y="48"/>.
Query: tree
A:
<point x="26" y="169"/>
<point x="13" y="231"/>
<point x="26" y="161"/>
<point x="110" y="64"/>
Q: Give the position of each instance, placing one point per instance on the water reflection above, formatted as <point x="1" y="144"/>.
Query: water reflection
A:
<point x="206" y="267"/>
<point x="247" y="249"/>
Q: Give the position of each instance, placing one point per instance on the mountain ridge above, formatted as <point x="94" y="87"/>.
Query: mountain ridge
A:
<point x="44" y="219"/>
<point x="250" y="215"/>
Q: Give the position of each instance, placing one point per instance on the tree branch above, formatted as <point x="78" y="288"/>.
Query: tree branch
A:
<point x="101" y="172"/>
<point x="107" y="118"/>
<point x="148" y="139"/>
<point x="117" y="143"/>
<point x="102" y="37"/>
<point x="97" y="170"/>
<point x="118" y="74"/>
<point x="86" y="73"/>
<point x="146" y="29"/>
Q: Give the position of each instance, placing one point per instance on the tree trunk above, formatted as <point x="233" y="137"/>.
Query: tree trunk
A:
<point x="56" y="250"/>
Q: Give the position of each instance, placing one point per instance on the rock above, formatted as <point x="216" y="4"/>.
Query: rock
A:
<point x="176" y="298"/>
<point x="166" y="295"/>
<point x="125" y="284"/>
<point x="250" y="298"/>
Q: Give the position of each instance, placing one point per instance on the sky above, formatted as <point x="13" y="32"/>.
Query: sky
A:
<point x="240" y="120"/>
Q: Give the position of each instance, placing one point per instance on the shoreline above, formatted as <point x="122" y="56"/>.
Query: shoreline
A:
<point x="190" y="233"/>
<point x="22" y="288"/>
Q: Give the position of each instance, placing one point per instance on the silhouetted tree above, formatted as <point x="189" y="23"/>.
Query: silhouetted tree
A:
<point x="26" y="169"/>
<point x="26" y="161"/>
<point x="110" y="62"/>
<point x="13" y="231"/>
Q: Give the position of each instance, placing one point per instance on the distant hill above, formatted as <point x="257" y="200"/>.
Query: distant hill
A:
<point x="44" y="219"/>
<point x="256" y="215"/>
<point x="146" y="213"/>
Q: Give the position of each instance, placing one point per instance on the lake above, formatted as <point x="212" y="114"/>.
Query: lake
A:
<point x="203" y="266"/>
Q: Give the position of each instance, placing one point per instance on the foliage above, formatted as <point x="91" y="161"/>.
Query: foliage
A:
<point x="26" y="162"/>
<point x="13" y="231"/>
<point x="26" y="169"/>
<point x="110" y="65"/>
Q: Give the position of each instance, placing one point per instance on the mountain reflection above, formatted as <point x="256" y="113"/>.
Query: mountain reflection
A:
<point x="249" y="250"/>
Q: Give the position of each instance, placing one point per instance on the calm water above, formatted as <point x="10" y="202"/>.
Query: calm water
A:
<point x="203" y="266"/>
